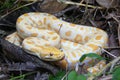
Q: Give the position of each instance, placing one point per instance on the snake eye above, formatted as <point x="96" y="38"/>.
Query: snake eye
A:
<point x="51" y="54"/>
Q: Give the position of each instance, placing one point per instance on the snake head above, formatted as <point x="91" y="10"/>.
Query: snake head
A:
<point x="51" y="54"/>
<point x="47" y="53"/>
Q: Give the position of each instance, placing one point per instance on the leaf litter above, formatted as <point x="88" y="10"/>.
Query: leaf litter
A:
<point x="104" y="14"/>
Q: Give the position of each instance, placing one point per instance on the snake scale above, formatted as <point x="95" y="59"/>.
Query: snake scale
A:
<point x="52" y="39"/>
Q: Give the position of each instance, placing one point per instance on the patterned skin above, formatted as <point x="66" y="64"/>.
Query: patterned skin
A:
<point x="45" y="35"/>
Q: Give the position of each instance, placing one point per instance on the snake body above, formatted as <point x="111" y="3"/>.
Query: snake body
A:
<point x="53" y="39"/>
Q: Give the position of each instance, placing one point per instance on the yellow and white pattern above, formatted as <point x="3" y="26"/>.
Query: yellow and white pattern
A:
<point x="53" y="39"/>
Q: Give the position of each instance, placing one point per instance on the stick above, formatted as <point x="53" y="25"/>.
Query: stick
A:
<point x="17" y="9"/>
<point x="16" y="53"/>
<point x="79" y="4"/>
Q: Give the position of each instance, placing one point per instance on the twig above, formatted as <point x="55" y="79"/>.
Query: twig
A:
<point x="14" y="51"/>
<point x="79" y="4"/>
<point x="104" y="68"/>
<point x="109" y="77"/>
<point x="81" y="1"/>
<point x="17" y="9"/>
<point x="117" y="47"/>
<point x="2" y="24"/>
<point x="63" y="78"/>
<point x="22" y="76"/>
<point x="16" y="1"/>
<point x="109" y="53"/>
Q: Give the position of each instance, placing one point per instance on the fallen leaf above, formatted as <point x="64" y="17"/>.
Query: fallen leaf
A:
<point x="108" y="3"/>
<point x="90" y="1"/>
<point x="52" y="6"/>
<point x="112" y="41"/>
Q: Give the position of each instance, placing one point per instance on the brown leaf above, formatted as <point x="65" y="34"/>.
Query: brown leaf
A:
<point x="115" y="52"/>
<point x="52" y="6"/>
<point x="90" y="1"/>
<point x="108" y="3"/>
<point x="112" y="41"/>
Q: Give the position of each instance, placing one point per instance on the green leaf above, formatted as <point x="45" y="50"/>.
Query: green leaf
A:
<point x="116" y="74"/>
<point x="72" y="75"/>
<point x="91" y="55"/>
<point x="58" y="76"/>
<point x="81" y="77"/>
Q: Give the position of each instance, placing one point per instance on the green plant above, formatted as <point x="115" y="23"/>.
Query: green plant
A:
<point x="58" y="76"/>
<point x="74" y="76"/>
<point x="116" y="74"/>
<point x="91" y="55"/>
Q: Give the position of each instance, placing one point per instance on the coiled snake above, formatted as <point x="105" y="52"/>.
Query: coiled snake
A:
<point x="53" y="39"/>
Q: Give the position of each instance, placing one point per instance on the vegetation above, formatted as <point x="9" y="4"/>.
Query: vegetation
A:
<point x="103" y="14"/>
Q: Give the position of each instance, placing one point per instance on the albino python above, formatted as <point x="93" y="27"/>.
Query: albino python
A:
<point x="52" y="39"/>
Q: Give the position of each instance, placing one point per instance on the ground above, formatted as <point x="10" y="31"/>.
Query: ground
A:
<point x="15" y="64"/>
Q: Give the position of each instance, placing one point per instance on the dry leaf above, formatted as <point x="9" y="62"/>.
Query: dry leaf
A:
<point x="90" y="1"/>
<point x="108" y="3"/>
<point x="52" y="6"/>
